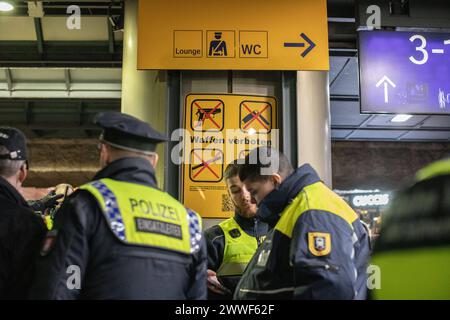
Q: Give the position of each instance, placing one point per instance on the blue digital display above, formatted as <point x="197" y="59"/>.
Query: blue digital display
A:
<point x="404" y="72"/>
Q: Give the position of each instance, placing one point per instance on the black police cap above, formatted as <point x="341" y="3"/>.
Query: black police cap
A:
<point x="14" y="140"/>
<point x="127" y="132"/>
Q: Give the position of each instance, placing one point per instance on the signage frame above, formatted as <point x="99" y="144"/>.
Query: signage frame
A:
<point x="390" y="112"/>
<point x="296" y="42"/>
<point x="183" y="108"/>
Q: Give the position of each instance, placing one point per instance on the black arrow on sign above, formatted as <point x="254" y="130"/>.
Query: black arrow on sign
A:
<point x="301" y="44"/>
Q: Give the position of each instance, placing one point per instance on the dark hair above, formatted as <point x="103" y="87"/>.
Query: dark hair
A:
<point x="261" y="162"/>
<point x="232" y="170"/>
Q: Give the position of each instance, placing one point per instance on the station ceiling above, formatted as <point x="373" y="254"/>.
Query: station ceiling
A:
<point x="41" y="62"/>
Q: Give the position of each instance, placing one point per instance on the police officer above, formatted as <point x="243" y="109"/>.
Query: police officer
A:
<point x="412" y="254"/>
<point x="317" y="248"/>
<point x="119" y="236"/>
<point x="21" y="231"/>
<point x="233" y="242"/>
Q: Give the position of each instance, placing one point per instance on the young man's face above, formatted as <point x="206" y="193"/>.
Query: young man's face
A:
<point x="241" y="197"/>
<point x="259" y="189"/>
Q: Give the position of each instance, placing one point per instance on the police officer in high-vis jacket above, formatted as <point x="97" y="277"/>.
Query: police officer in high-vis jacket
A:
<point x="412" y="254"/>
<point x="317" y="249"/>
<point x="233" y="242"/>
<point x="119" y="236"/>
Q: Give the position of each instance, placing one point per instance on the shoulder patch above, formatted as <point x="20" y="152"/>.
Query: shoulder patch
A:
<point x="319" y="243"/>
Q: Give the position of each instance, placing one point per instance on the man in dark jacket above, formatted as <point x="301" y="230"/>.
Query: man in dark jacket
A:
<point x="233" y="242"/>
<point x="317" y="248"/>
<point x="21" y="231"/>
<point x="120" y="237"/>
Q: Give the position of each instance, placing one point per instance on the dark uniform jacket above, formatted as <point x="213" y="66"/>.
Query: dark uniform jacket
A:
<point x="109" y="268"/>
<point x="215" y="241"/>
<point x="21" y="233"/>
<point x="317" y="248"/>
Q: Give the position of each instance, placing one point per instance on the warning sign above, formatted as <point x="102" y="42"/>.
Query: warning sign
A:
<point x="255" y="116"/>
<point x="210" y="168"/>
<point x="207" y="115"/>
<point x="219" y="129"/>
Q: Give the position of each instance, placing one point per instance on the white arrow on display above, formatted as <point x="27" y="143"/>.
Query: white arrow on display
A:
<point x="385" y="80"/>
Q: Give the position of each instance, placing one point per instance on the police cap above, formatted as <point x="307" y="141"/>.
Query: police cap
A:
<point x="14" y="140"/>
<point x="127" y="132"/>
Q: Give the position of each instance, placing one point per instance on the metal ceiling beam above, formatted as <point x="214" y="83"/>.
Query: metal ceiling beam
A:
<point x="61" y="64"/>
<point x="39" y="36"/>
<point x="28" y="107"/>
<point x="361" y="125"/>
<point x="339" y="73"/>
<point x="53" y="120"/>
<point x="417" y="126"/>
<point x="348" y="135"/>
<point x="341" y="20"/>
<point x="343" y="52"/>
<point x="337" y="97"/>
<point x="9" y="79"/>
<point x="52" y="8"/>
<point x="389" y="128"/>
<point x="392" y="140"/>
<point x="80" y="113"/>
<point x="60" y="54"/>
<point x="111" y="40"/>
<point x="67" y="79"/>
<point x="407" y="130"/>
<point x="341" y="8"/>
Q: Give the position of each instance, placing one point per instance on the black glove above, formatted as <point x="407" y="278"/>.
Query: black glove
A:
<point x="49" y="201"/>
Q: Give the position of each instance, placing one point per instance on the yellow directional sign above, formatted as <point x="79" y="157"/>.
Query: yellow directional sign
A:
<point x="233" y="35"/>
<point x="221" y="128"/>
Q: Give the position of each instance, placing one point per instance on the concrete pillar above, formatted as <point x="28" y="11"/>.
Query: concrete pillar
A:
<point x="313" y="122"/>
<point x="143" y="92"/>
